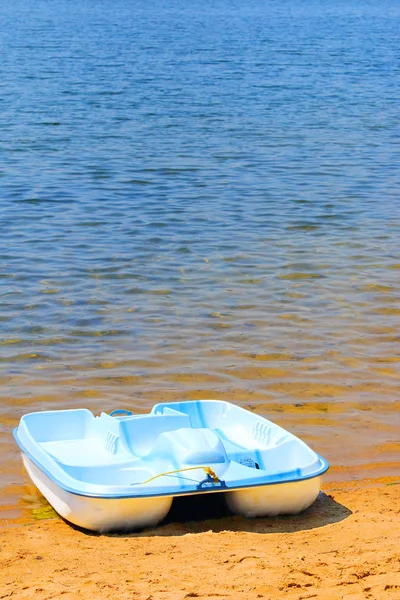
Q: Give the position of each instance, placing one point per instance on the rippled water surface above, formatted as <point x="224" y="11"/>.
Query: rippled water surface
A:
<point x="201" y="200"/>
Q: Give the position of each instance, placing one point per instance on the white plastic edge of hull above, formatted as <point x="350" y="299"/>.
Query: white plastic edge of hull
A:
<point x="272" y="500"/>
<point x="108" y="514"/>
<point x="99" y="514"/>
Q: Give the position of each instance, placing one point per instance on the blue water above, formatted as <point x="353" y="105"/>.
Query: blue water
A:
<point x="200" y="200"/>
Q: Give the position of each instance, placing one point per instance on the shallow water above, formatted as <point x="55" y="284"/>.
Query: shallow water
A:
<point x="202" y="201"/>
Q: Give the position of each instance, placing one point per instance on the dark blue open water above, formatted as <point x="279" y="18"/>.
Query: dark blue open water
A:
<point x="201" y="199"/>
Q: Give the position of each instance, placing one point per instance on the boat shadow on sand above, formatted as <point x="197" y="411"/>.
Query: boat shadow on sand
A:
<point x="208" y="512"/>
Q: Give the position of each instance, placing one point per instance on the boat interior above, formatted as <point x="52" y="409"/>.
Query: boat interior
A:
<point x="175" y="440"/>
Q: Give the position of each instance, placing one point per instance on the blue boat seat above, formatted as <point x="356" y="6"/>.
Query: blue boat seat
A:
<point x="191" y="447"/>
<point x="140" y="433"/>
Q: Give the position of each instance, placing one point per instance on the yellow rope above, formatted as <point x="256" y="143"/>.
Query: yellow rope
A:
<point x="208" y="470"/>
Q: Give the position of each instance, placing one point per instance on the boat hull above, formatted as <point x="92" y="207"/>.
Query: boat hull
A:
<point x="99" y="514"/>
<point x="275" y="499"/>
<point x="123" y="514"/>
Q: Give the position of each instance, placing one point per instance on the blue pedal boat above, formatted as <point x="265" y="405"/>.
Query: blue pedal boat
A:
<point x="121" y="471"/>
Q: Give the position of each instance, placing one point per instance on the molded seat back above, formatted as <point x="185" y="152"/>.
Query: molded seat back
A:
<point x="140" y="433"/>
<point x="56" y="425"/>
<point x="191" y="447"/>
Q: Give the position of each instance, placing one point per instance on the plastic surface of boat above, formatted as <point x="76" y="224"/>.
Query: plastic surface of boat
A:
<point x="122" y="471"/>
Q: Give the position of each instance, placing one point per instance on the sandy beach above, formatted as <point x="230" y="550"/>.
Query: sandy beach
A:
<point x="345" y="547"/>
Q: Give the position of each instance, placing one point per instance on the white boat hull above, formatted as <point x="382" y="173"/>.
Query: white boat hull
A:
<point x="111" y="514"/>
<point x="99" y="514"/>
<point x="276" y="499"/>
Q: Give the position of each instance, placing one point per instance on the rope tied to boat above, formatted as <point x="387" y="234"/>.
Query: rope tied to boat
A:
<point x="208" y="470"/>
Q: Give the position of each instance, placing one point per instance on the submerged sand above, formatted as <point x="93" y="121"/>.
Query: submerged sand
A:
<point x="345" y="547"/>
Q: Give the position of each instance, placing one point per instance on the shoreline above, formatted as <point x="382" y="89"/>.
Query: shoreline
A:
<point x="345" y="546"/>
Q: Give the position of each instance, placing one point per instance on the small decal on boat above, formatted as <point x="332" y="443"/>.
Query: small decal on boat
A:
<point x="247" y="461"/>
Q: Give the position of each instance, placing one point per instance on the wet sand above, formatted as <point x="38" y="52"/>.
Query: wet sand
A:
<point x="345" y="547"/>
